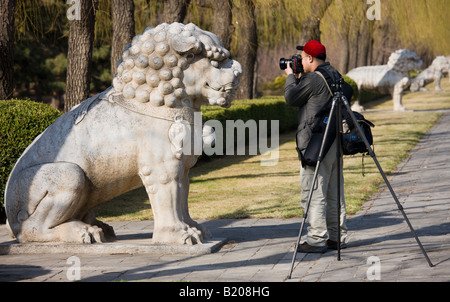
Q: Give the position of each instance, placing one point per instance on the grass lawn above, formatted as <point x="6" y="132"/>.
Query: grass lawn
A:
<point x="240" y="187"/>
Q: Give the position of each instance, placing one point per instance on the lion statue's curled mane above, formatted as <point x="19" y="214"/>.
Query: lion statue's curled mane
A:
<point x="153" y="65"/>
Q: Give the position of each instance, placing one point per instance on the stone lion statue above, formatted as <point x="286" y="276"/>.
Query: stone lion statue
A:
<point x="434" y="73"/>
<point x="123" y="138"/>
<point x="447" y="72"/>
<point x="392" y="78"/>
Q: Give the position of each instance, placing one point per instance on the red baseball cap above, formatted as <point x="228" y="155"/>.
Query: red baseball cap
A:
<point x="314" y="48"/>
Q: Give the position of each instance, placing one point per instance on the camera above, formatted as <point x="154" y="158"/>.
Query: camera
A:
<point x="295" y="63"/>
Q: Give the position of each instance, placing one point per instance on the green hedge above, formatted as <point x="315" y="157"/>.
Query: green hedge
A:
<point x="277" y="86"/>
<point x="20" y="122"/>
<point x="267" y="108"/>
<point x="354" y="86"/>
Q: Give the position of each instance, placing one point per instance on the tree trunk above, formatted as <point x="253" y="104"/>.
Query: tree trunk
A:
<point x="175" y="10"/>
<point x="7" y="10"/>
<point x="344" y="52"/>
<point x="310" y="30"/>
<point x="311" y="25"/>
<point x="247" y="50"/>
<point x="81" y="38"/>
<point x="222" y="25"/>
<point x="123" y="29"/>
<point x="353" y="42"/>
<point x="365" y="39"/>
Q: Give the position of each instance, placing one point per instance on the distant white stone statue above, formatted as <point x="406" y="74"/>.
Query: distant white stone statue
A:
<point x="125" y="137"/>
<point x="392" y="78"/>
<point x="447" y="72"/>
<point x="434" y="73"/>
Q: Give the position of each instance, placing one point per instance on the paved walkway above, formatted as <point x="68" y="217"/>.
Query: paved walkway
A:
<point x="380" y="245"/>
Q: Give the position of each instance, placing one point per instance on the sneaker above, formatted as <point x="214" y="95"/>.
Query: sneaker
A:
<point x="331" y="244"/>
<point x="306" y="248"/>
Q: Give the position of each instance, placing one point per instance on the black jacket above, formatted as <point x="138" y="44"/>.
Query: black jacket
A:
<point x="311" y="95"/>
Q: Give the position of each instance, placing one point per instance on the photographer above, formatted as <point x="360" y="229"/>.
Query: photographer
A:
<point x="307" y="90"/>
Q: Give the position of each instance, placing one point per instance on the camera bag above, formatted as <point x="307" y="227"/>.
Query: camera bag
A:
<point x="311" y="154"/>
<point x="352" y="142"/>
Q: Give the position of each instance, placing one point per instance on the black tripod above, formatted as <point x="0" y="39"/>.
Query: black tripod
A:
<point x="338" y="100"/>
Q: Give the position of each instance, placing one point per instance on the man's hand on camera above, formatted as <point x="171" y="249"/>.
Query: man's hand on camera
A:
<point x="289" y="70"/>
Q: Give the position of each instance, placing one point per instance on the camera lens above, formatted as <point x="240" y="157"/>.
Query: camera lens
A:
<point x="284" y="62"/>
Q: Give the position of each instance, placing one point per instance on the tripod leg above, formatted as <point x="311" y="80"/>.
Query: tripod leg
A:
<point x="372" y="154"/>
<point x="316" y="172"/>
<point x="339" y="171"/>
<point x="305" y="215"/>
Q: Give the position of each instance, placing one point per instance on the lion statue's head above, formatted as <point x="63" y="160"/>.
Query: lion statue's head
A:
<point x="440" y="64"/>
<point x="439" y="67"/>
<point x="404" y="61"/>
<point x="177" y="65"/>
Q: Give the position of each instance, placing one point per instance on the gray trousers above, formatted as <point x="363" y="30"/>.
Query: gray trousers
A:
<point x="322" y="214"/>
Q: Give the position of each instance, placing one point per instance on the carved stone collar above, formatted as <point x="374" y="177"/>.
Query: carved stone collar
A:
<point x="162" y="112"/>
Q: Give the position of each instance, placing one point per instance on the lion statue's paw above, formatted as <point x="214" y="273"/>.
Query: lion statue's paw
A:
<point x="79" y="232"/>
<point x="181" y="234"/>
